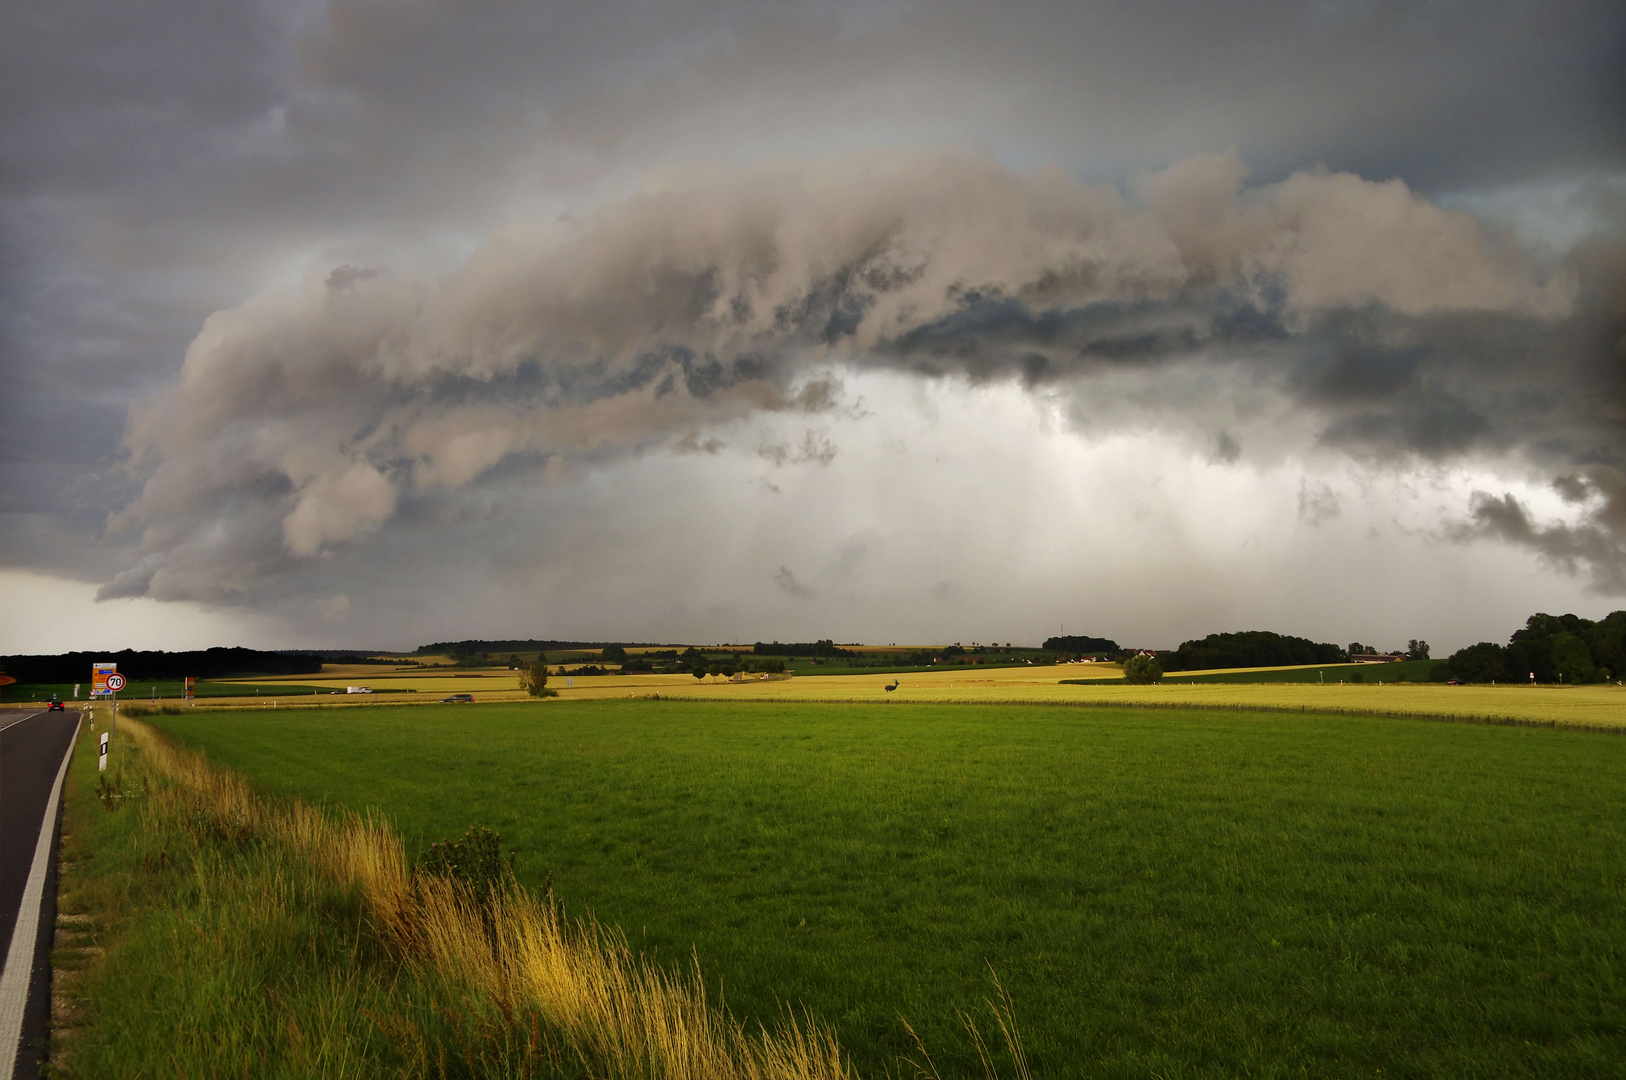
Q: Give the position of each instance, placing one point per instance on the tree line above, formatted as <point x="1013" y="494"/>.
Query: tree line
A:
<point x="1081" y="645"/>
<point x="1548" y="649"/>
<point x="475" y="646"/>
<point x="824" y="647"/>
<point x="133" y="664"/>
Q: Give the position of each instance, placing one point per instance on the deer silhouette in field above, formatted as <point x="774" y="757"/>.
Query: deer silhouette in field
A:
<point x="893" y="687"/>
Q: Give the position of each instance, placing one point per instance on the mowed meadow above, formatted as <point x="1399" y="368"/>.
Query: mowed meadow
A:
<point x="1162" y="893"/>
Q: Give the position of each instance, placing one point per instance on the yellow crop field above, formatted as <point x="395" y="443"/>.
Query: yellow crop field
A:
<point x="1586" y="706"/>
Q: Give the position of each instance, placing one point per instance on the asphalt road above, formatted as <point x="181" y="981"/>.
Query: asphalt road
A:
<point x="32" y="745"/>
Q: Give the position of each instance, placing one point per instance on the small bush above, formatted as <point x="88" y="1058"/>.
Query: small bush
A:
<point x="113" y="790"/>
<point x="1142" y="670"/>
<point x="534" y="679"/>
<point x="475" y="860"/>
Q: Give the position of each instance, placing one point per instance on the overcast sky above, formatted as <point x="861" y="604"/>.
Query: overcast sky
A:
<point x="375" y="322"/>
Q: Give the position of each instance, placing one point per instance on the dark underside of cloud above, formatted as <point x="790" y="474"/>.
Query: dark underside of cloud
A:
<point x="1594" y="544"/>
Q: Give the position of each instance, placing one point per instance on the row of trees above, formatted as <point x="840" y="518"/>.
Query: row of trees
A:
<point x="505" y="645"/>
<point x="824" y="647"/>
<point x="729" y="668"/>
<point x="1416" y="649"/>
<point x="133" y="664"/>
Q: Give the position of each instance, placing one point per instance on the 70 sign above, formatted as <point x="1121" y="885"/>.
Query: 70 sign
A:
<point x="115" y="683"/>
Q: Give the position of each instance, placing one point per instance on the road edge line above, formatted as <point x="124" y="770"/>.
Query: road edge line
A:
<point x="16" y="979"/>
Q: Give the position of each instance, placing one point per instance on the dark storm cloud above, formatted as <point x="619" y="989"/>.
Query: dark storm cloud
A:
<point x="164" y="163"/>
<point x="716" y="294"/>
<point x="1448" y="95"/>
<point x="1595" y="544"/>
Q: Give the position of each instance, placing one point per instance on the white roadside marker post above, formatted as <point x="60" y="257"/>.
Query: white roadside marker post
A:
<point x="101" y="761"/>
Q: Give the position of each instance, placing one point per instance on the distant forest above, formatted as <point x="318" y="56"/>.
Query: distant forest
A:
<point x="1249" y="648"/>
<point x="1240" y="649"/>
<point x="1549" y="648"/>
<point x="1073" y="643"/>
<point x="346" y="656"/>
<point x="205" y="664"/>
<point x="822" y="647"/>
<point x="476" y="647"/>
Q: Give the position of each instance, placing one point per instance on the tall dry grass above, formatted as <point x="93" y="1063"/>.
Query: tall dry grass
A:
<point x="565" y="994"/>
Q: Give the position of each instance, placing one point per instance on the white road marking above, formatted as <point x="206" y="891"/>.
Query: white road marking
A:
<point x="19" y="970"/>
<point x="20" y="719"/>
<point x="41" y="712"/>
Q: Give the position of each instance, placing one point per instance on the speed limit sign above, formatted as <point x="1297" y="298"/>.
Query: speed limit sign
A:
<point x="115" y="682"/>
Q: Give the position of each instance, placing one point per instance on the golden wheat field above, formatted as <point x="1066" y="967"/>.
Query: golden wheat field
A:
<point x="1586" y="706"/>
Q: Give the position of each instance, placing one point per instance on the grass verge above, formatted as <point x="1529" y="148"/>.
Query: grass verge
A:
<point x="210" y="932"/>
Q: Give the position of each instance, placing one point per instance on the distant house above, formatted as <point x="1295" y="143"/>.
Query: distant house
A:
<point x="1374" y="658"/>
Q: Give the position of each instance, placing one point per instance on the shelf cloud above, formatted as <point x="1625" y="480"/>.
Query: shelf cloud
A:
<point x="629" y="319"/>
<point x="301" y="419"/>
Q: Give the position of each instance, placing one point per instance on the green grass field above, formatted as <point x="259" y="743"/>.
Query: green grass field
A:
<point x="1163" y="893"/>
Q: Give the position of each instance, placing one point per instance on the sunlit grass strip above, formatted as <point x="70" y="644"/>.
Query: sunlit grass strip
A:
<point x="1586" y="708"/>
<point x="565" y="992"/>
<point x="1611" y="719"/>
<point x="1594" y="708"/>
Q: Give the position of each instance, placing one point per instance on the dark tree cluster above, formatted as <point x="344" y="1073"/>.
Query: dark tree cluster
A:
<point x="729" y="666"/>
<point x="663" y="660"/>
<point x="1081" y="645"/>
<point x="1416" y="649"/>
<point x="351" y="656"/>
<point x="466" y="648"/>
<point x="204" y="664"/>
<point x="1552" y="648"/>
<point x="1250" y="648"/>
<point x="824" y="647"/>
